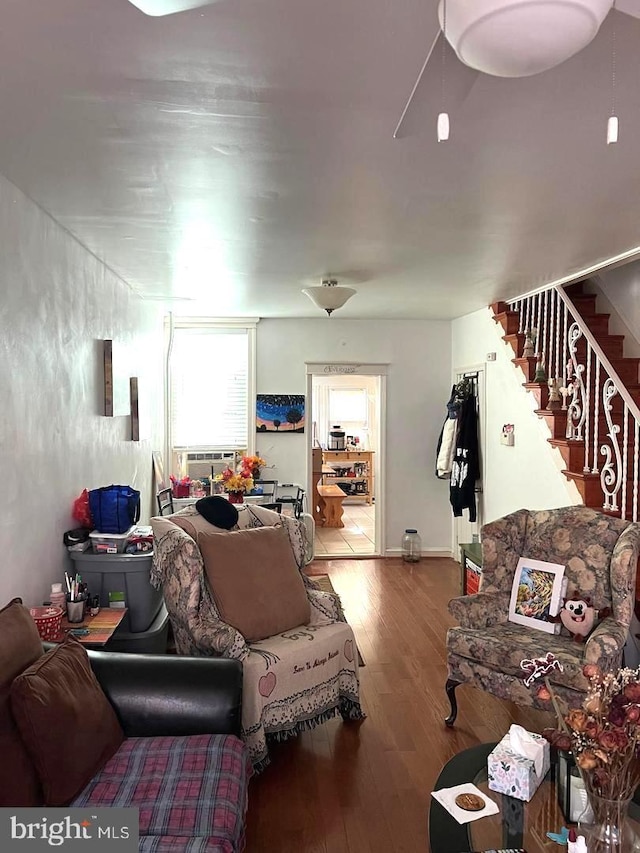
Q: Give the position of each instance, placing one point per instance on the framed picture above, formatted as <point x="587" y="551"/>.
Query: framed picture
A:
<point x="536" y="594"/>
<point x="116" y="362"/>
<point x="279" y="413"/>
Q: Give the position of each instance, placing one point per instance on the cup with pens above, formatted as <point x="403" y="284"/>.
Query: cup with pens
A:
<point x="76" y="598"/>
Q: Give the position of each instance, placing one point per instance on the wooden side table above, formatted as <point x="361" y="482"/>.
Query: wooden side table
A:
<point x="101" y="627"/>
<point x="470" y="567"/>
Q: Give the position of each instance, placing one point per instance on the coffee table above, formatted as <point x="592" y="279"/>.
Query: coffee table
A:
<point x="518" y="826"/>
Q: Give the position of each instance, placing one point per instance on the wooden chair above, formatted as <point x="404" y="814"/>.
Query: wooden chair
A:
<point x="267" y="488"/>
<point x="165" y="501"/>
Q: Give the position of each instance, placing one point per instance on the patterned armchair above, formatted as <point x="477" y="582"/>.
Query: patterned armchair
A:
<point x="600" y="554"/>
<point x="291" y="682"/>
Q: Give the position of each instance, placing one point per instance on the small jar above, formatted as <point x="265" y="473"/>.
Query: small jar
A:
<point x="411" y="546"/>
<point x="57" y="597"/>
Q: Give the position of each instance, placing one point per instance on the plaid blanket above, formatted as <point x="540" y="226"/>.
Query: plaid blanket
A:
<point x="191" y="791"/>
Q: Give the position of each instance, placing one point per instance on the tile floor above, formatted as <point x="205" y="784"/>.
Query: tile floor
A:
<point x="356" y="537"/>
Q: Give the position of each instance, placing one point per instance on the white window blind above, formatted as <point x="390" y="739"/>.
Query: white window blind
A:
<point x="209" y="387"/>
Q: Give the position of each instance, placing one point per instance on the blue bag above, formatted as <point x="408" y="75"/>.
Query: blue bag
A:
<point x="114" y="508"/>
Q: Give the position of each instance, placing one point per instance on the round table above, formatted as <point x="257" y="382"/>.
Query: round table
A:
<point x="518" y="825"/>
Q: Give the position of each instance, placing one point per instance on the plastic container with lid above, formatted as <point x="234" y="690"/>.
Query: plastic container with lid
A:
<point x="109" y="543"/>
<point x="411" y="546"/>
<point x="128" y="574"/>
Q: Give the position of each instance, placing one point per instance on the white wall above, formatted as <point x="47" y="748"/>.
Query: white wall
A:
<point x="58" y="303"/>
<point x="418" y="384"/>
<point x="527" y="474"/>
<point x="621" y="291"/>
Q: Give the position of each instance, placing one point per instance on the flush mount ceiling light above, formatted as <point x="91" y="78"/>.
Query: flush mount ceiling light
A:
<point x="159" y="8"/>
<point x="330" y="295"/>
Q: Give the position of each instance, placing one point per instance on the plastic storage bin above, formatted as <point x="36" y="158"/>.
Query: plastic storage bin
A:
<point x="153" y="641"/>
<point x="127" y="573"/>
<point x="109" y="543"/>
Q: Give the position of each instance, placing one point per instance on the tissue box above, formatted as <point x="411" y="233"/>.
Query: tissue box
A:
<point x="513" y="774"/>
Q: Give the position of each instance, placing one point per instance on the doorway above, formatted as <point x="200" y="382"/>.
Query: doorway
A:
<point x="348" y="400"/>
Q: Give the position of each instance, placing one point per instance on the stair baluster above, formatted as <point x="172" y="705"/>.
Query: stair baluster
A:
<point x="599" y="418"/>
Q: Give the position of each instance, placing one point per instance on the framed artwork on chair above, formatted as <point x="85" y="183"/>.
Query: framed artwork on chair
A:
<point x="536" y="594"/>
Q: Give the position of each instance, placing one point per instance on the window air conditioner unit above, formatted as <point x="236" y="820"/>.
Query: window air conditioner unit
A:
<point x="206" y="463"/>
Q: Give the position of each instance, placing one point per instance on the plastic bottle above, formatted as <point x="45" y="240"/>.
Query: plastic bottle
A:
<point x="411" y="546"/>
<point x="571" y="841"/>
<point x="58" y="597"/>
<point x="580" y="845"/>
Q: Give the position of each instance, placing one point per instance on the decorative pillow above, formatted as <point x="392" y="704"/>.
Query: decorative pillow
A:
<point x="65" y="720"/>
<point x="255" y="581"/>
<point x="20" y="646"/>
<point x="218" y="511"/>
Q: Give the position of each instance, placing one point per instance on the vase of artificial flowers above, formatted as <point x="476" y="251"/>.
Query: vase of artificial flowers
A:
<point x="604" y="737"/>
<point x="250" y="466"/>
<point x="235" y="484"/>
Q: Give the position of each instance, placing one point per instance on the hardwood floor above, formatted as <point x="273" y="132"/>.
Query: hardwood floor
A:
<point x="365" y="787"/>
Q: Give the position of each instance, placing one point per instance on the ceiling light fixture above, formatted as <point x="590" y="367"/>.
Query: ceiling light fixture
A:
<point x="509" y="38"/>
<point x="329" y="295"/>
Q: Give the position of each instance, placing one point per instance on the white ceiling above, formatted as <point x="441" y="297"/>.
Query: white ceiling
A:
<point x="234" y="154"/>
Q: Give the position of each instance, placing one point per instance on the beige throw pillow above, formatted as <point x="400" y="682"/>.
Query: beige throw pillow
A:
<point x="255" y="581"/>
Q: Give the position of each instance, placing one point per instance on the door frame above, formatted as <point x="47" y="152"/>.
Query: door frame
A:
<point x="349" y="368"/>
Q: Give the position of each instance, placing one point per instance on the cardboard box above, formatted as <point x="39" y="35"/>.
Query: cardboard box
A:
<point x="515" y="775"/>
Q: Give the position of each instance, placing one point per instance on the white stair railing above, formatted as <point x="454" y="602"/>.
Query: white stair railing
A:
<point x="600" y="410"/>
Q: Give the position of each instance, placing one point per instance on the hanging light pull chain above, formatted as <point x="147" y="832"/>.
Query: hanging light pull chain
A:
<point x="443" y="116"/>
<point x="612" y="124"/>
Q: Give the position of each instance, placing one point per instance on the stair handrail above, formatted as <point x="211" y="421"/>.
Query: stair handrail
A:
<point x="597" y="349"/>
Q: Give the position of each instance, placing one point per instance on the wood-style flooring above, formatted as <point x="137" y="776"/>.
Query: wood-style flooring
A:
<point x="364" y="787"/>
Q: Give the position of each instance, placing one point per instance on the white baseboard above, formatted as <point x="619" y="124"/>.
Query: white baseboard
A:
<point x="426" y="552"/>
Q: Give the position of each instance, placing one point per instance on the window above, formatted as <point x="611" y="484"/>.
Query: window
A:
<point x="211" y="384"/>
<point x="348" y="405"/>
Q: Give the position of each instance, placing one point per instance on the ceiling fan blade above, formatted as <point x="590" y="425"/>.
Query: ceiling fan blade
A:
<point x="158" y="8"/>
<point x="631" y="7"/>
<point x="425" y="101"/>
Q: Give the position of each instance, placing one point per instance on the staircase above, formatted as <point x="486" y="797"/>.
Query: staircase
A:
<point x="594" y="422"/>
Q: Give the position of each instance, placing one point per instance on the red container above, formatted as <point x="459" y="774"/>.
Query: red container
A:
<point x="48" y="622"/>
<point x="181" y="490"/>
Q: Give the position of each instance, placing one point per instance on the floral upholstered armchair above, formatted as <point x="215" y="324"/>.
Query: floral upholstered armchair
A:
<point x="600" y="555"/>
<point x="291" y="681"/>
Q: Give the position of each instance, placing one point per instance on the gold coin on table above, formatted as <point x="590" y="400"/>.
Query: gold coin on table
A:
<point x="470" y="802"/>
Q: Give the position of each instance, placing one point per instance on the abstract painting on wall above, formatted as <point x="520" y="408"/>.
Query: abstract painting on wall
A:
<point x="279" y="412"/>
